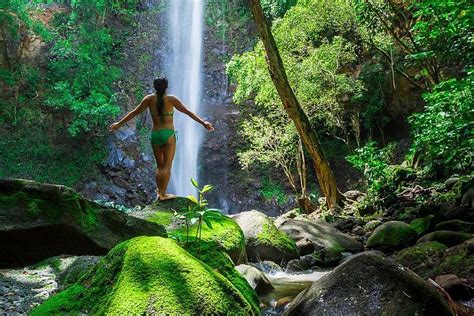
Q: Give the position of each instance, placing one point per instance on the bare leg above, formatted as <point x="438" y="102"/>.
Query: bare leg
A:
<point x="165" y="173"/>
<point x="158" y="152"/>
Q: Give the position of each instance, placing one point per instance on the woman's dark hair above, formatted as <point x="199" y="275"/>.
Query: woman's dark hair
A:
<point x="160" y="84"/>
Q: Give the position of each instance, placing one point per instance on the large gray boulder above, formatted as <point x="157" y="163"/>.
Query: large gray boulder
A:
<point x="368" y="284"/>
<point x="40" y="220"/>
<point x="319" y="232"/>
<point x="263" y="240"/>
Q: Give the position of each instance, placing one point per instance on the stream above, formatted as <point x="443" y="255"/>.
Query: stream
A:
<point x="286" y="287"/>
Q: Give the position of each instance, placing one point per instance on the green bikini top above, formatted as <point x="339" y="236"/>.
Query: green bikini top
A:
<point x="168" y="113"/>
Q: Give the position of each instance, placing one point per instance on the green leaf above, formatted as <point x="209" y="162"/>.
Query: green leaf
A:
<point x="206" y="188"/>
<point x="208" y="222"/>
<point x="195" y="184"/>
<point x="192" y="199"/>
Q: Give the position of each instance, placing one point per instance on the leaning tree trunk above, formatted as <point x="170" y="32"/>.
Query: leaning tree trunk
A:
<point x="326" y="179"/>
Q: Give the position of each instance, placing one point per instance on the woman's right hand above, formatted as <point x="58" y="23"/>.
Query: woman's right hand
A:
<point x="114" y="127"/>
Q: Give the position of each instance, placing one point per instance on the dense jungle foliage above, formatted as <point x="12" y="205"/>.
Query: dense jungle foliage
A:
<point x="345" y="61"/>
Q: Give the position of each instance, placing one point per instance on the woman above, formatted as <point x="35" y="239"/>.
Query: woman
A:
<point x="163" y="135"/>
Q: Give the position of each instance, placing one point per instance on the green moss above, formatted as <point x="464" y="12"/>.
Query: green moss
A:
<point x="449" y="238"/>
<point x="270" y="235"/>
<point x="52" y="204"/>
<point x="54" y="263"/>
<point x="422" y="225"/>
<point x="164" y="217"/>
<point x="150" y="275"/>
<point x="458" y="261"/>
<point x="226" y="234"/>
<point x="416" y="255"/>
<point x="208" y="253"/>
<point x="328" y="257"/>
<point x="392" y="235"/>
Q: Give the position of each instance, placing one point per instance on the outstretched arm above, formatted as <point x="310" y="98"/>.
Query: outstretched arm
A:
<point x="180" y="107"/>
<point x="130" y="115"/>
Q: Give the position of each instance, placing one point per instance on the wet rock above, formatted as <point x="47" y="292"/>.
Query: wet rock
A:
<point x="371" y="225"/>
<point x="358" y="230"/>
<point x="430" y="259"/>
<point x="391" y="236"/>
<point x="353" y="195"/>
<point x="422" y="225"/>
<point x="267" y="267"/>
<point x="449" y="238"/>
<point x="34" y="214"/>
<point x="456" y="225"/>
<point x="305" y="246"/>
<point x="468" y="198"/>
<point x="256" y="278"/>
<point x="74" y="271"/>
<point x="263" y="240"/>
<point x="323" y="258"/>
<point x="319" y="232"/>
<point x="371" y="284"/>
<point x="418" y="255"/>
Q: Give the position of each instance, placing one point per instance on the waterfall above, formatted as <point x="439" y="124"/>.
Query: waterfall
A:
<point x="183" y="69"/>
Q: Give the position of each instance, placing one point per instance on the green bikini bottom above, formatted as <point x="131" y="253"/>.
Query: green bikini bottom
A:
<point x="161" y="136"/>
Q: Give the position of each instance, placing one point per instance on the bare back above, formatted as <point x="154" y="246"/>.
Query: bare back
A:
<point x="165" y="122"/>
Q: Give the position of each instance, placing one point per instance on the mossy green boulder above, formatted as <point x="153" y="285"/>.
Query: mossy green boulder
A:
<point x="417" y="255"/>
<point x="430" y="259"/>
<point x="422" y="225"/>
<point x="391" y="236"/>
<point x="150" y="275"/>
<point x="263" y="240"/>
<point x="447" y="237"/>
<point x="456" y="225"/>
<point x="226" y="235"/>
<point x="39" y="221"/>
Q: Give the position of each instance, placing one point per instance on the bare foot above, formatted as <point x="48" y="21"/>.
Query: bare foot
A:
<point x="167" y="197"/>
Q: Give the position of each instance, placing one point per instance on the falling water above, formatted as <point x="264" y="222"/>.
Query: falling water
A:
<point x="185" y="82"/>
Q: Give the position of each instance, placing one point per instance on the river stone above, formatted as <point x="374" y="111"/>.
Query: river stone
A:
<point x="429" y="259"/>
<point x="449" y="238"/>
<point x="319" y="232"/>
<point x="263" y="240"/>
<point x="456" y="225"/>
<point x="323" y="258"/>
<point x="371" y="285"/>
<point x="422" y="225"/>
<point x="39" y="221"/>
<point x="256" y="278"/>
<point x="392" y="235"/>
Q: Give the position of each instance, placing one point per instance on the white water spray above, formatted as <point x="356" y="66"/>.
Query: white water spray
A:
<point x="185" y="81"/>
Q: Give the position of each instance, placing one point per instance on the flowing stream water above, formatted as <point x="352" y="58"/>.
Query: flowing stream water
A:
<point x="184" y="72"/>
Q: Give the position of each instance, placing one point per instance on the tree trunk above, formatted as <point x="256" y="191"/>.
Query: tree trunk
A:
<point x="326" y="179"/>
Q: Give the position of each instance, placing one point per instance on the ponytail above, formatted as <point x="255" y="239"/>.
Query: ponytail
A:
<point x="160" y="84"/>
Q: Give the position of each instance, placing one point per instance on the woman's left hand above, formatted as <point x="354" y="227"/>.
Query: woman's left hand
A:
<point x="114" y="127"/>
<point x="209" y="126"/>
